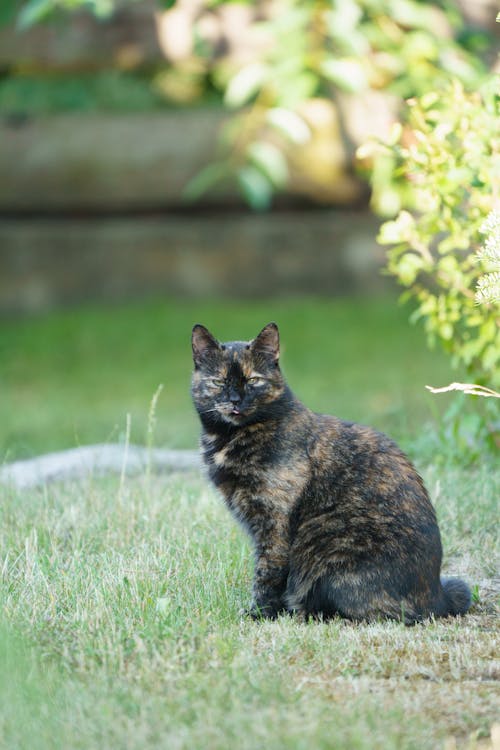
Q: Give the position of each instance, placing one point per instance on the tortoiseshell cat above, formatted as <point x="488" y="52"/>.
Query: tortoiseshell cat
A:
<point x="339" y="518"/>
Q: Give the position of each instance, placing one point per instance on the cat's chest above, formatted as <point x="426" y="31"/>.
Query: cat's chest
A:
<point x="252" y="471"/>
<point x="244" y="458"/>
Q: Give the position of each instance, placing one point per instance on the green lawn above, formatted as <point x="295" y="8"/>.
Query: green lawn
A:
<point x="121" y="601"/>
<point x="122" y="629"/>
<point x="71" y="378"/>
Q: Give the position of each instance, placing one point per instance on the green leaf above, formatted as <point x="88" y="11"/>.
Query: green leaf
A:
<point x="215" y="3"/>
<point x="398" y="230"/>
<point x="395" y="134"/>
<point x="408" y="268"/>
<point x="302" y="86"/>
<point x="269" y="159"/>
<point x="491" y="357"/>
<point x="348" y="73"/>
<point x="245" y="84"/>
<point x="386" y="202"/>
<point x="205" y="180"/>
<point x="290" y="124"/>
<point x="453" y="242"/>
<point x="446" y="330"/>
<point x="344" y="25"/>
<point x="429" y="99"/>
<point x="34" y="12"/>
<point x="255" y="187"/>
<point x="409" y="13"/>
<point x="102" y="8"/>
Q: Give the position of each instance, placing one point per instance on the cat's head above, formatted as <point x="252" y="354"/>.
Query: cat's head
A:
<point x="238" y="382"/>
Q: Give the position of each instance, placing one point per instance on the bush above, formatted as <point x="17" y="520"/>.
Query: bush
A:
<point x="488" y="285"/>
<point x="449" y="158"/>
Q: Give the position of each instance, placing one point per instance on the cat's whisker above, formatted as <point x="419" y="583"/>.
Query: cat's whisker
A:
<point x="210" y="411"/>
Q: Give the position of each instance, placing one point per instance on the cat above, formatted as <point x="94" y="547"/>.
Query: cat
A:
<point x="340" y="520"/>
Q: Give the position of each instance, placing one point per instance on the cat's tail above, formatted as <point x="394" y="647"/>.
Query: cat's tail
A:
<point x="457" y="594"/>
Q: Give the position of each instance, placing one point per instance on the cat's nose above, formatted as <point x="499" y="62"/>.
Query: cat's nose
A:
<point x="235" y="398"/>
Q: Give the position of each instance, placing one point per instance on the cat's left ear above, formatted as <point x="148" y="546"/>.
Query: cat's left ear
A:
<point x="268" y="341"/>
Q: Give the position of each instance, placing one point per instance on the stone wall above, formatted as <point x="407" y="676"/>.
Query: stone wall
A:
<point x="45" y="263"/>
<point x="107" y="162"/>
<point x="103" y="162"/>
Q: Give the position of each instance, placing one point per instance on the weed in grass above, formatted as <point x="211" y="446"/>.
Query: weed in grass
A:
<point x="151" y="429"/>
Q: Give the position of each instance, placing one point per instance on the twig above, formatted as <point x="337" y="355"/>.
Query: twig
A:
<point x="151" y="428"/>
<point x="470" y="388"/>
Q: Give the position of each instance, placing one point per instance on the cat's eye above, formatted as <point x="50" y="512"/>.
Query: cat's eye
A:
<point x="255" y="381"/>
<point x="217" y="382"/>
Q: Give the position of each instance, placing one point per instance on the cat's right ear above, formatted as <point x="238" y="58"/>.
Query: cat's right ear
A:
<point x="203" y="343"/>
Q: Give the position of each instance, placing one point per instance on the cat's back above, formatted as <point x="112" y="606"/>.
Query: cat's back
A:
<point x="366" y="469"/>
<point x="365" y="536"/>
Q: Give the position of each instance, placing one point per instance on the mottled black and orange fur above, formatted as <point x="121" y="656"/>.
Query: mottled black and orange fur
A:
<point x="340" y="520"/>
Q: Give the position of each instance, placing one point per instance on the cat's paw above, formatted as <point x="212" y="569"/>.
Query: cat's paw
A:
<point x="263" y="612"/>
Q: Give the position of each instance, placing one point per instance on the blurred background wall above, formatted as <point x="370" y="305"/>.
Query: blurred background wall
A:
<point x="104" y="121"/>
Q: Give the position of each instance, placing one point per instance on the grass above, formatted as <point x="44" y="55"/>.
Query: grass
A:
<point x="121" y="601"/>
<point x="71" y="377"/>
<point x="122" y="628"/>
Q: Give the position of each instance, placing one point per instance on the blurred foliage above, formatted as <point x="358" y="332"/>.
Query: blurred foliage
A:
<point x="449" y="157"/>
<point x="29" y="12"/>
<point x="374" y="51"/>
<point x="468" y="432"/>
<point x="298" y="64"/>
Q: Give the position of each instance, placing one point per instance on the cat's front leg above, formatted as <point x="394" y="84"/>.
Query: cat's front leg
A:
<point x="269" y="584"/>
<point x="268" y="592"/>
<point x="265" y="518"/>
